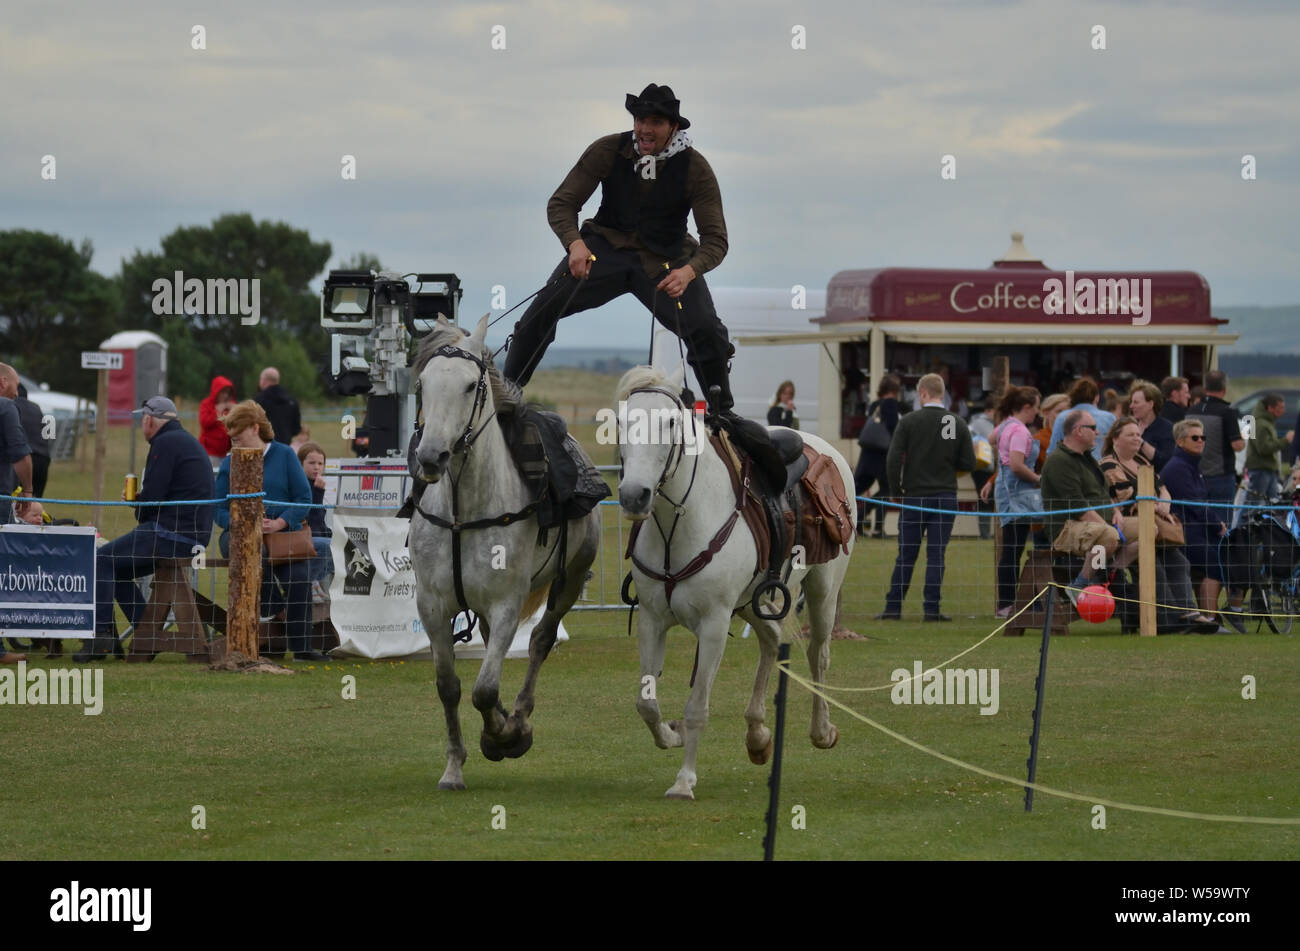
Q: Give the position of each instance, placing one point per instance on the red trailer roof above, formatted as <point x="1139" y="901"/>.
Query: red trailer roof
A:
<point x="1007" y="293"/>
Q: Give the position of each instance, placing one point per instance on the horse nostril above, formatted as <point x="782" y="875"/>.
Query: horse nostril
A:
<point x="443" y="457"/>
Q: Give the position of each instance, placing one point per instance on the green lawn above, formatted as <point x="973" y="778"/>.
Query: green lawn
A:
<point x="286" y="768"/>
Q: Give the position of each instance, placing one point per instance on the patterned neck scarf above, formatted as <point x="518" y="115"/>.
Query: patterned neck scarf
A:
<point x="680" y="142"/>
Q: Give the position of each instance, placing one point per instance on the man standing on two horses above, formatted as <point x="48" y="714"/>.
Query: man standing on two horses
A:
<point x="650" y="179"/>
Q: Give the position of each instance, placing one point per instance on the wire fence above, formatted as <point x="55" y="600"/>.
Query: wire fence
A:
<point x="1242" y="570"/>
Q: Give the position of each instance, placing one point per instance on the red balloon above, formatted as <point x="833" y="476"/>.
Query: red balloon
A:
<point x="1096" y="604"/>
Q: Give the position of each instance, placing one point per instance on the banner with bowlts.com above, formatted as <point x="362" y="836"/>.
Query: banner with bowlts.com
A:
<point x="47" y="581"/>
<point x="372" y="597"/>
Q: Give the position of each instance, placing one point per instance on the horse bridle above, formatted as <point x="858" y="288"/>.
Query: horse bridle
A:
<point x="678" y="448"/>
<point x="468" y="437"/>
<point x="463" y="445"/>
<point x="668" y="577"/>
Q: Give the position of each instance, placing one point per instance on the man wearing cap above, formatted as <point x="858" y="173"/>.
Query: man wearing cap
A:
<point x="651" y="179"/>
<point x="177" y="469"/>
<point x="15" y="453"/>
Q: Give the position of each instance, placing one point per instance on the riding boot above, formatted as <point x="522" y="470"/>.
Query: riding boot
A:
<point x="751" y="435"/>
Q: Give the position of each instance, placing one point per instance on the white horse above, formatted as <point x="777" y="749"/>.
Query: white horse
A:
<point x="664" y="478"/>
<point x="500" y="570"/>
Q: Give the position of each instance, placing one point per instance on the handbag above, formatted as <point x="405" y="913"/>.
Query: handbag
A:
<point x="875" y="435"/>
<point x="284" y="547"/>
<point x="1169" y="531"/>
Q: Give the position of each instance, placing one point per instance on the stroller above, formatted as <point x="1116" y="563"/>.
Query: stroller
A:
<point x="1262" y="556"/>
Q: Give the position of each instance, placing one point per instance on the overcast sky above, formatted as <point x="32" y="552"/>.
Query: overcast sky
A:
<point x="828" y="157"/>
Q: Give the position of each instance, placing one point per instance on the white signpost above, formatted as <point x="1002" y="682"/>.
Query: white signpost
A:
<point x="100" y="360"/>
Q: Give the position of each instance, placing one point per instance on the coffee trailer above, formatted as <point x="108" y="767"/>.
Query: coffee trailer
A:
<point x="1052" y="326"/>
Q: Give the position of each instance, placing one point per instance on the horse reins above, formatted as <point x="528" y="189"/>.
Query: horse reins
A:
<point x="463" y="446"/>
<point x="669" y="578"/>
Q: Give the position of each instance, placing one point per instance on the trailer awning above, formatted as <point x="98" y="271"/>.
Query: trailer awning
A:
<point x="1119" y="335"/>
<point x="814" y="337"/>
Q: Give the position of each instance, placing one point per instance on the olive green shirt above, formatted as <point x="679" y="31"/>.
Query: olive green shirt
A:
<point x="1072" y="480"/>
<point x="595" y="165"/>
<point x="930" y="446"/>
<point x="1263" y="446"/>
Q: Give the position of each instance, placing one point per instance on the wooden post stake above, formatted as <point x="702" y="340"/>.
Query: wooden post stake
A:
<point x="245" y="592"/>
<point x="1147" y="553"/>
<point x="82" y="433"/>
<point x="101" y="444"/>
<point x="1000" y="378"/>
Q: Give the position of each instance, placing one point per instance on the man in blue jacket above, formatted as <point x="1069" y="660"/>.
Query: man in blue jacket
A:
<point x="177" y="469"/>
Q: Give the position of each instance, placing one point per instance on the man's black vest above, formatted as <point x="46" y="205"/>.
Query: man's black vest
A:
<point x="658" y="216"/>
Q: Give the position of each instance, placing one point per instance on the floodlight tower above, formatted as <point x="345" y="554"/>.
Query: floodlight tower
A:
<point x="374" y="316"/>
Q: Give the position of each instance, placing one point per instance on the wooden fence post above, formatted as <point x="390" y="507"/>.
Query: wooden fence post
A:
<point x="1147" y="553"/>
<point x="245" y="591"/>
<point x="101" y="445"/>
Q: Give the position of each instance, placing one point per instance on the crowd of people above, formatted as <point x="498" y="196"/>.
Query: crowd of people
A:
<point x="1066" y="474"/>
<point x="182" y="468"/>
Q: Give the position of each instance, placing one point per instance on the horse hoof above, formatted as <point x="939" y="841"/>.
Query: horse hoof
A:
<point x="832" y="738"/>
<point x="451" y="785"/>
<point x="761" y="757"/>
<point x="676" y="793"/>
<point x="520" y="746"/>
<point x="490" y="750"/>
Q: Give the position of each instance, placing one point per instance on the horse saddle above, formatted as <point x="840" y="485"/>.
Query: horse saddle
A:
<point x="553" y="466"/>
<point x="810" y="507"/>
<point x="777" y="452"/>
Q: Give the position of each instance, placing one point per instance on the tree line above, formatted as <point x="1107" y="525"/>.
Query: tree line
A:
<point x="53" y="306"/>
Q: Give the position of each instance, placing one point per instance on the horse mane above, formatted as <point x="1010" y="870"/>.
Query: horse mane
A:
<point x="636" y="378"/>
<point x="448" y="334"/>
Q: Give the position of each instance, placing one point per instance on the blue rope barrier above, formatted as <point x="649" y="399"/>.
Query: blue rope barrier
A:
<point x="1089" y="508"/>
<point x="868" y="499"/>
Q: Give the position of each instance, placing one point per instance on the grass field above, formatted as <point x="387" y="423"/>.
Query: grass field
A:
<point x="286" y="768"/>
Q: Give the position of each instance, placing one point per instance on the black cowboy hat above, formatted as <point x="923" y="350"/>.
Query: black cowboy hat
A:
<point x="657" y="101"/>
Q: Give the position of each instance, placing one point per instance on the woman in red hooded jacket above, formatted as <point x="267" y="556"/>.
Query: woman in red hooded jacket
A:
<point x="212" y="415"/>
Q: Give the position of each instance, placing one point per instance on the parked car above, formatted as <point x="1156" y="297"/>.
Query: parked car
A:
<point x="59" y="405"/>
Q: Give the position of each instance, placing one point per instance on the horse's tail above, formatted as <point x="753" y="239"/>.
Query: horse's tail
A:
<point x="534" y="600"/>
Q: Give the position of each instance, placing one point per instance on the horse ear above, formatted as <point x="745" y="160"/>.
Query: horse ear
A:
<point x="677" y="377"/>
<point x="480" y="332"/>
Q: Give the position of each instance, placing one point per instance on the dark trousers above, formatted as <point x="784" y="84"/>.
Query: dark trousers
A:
<point x="871" y="470"/>
<point x="979" y="478"/>
<point x="40" y="473"/>
<point x="119" y="563"/>
<point x="937" y="529"/>
<point x="613" y="274"/>
<point x="287" y="588"/>
<point x="1015" y="532"/>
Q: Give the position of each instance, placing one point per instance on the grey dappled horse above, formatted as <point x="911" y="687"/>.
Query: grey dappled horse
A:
<point x="504" y="573"/>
